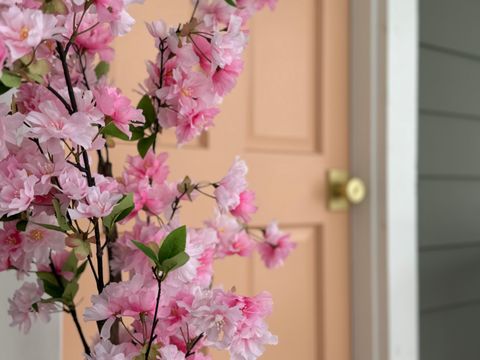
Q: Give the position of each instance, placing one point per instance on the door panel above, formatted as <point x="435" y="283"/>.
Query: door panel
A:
<point x="287" y="118"/>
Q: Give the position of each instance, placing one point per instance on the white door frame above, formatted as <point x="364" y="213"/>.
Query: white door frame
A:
<point x="384" y="50"/>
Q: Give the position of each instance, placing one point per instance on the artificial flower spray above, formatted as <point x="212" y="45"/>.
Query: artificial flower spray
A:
<point x="62" y="219"/>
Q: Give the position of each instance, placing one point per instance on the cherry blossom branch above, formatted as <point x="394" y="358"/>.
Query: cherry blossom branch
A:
<point x="191" y="345"/>
<point x="90" y="180"/>
<point x="155" y="320"/>
<point x="71" y="309"/>
<point x="61" y="98"/>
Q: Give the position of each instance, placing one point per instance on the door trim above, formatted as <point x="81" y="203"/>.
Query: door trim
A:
<point x="383" y="144"/>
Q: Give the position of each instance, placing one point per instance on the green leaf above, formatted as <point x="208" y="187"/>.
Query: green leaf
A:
<point x="3" y="88"/>
<point x="22" y="225"/>
<point x="82" y="250"/>
<point x="70" y="291"/>
<point x="6" y="218"/>
<point x="138" y="132"/>
<point x="39" y="67"/>
<point x="10" y="79"/>
<point x="70" y="264"/>
<point x="50" y="284"/>
<point x="148" y="110"/>
<point x="175" y="262"/>
<point x="173" y="244"/>
<point x="120" y="211"/>
<point x="231" y="2"/>
<point x="147" y="251"/>
<point x="61" y="219"/>
<point x="81" y="269"/>
<point x="51" y="227"/>
<point x="154" y="353"/>
<point x="111" y="130"/>
<point x="144" y="144"/>
<point x="54" y="7"/>
<point x="102" y="69"/>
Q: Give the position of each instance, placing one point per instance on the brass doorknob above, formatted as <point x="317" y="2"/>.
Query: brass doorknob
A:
<point x="344" y="190"/>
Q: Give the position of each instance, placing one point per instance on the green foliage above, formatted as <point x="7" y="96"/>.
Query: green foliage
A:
<point x="138" y="132"/>
<point x="173" y="244"/>
<point x="51" y="285"/>
<point x="147" y="251"/>
<point x="120" y="211"/>
<point x="153" y="355"/>
<point x="59" y="288"/>
<point x="175" y="262"/>
<point x="10" y="79"/>
<point x="21" y="225"/>
<point x="3" y="88"/>
<point x="51" y="227"/>
<point x="54" y="7"/>
<point x="61" y="219"/>
<point x="102" y="69"/>
<point x="111" y="130"/>
<point x="148" y="110"/>
<point x="171" y="254"/>
<point x="231" y="2"/>
<point x="145" y="144"/>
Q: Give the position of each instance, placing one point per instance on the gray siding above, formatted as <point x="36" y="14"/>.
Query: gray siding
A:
<point x="449" y="179"/>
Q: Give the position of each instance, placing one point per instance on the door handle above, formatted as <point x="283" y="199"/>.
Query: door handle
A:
<point x="344" y="190"/>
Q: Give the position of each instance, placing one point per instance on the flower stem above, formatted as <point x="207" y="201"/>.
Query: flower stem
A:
<point x="155" y="320"/>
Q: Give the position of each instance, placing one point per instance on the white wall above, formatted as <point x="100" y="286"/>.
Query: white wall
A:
<point x="43" y="341"/>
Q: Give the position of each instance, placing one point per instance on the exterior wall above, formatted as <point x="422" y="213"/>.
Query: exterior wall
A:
<point x="43" y="341"/>
<point x="449" y="179"/>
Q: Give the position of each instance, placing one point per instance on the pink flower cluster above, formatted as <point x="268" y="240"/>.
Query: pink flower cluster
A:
<point x="59" y="215"/>
<point x="198" y="64"/>
<point x="219" y="319"/>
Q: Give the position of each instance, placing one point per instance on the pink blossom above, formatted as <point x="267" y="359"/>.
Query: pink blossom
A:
<point x="52" y="122"/>
<point x="26" y="306"/>
<point x="152" y="198"/>
<point x="105" y="350"/>
<point x="215" y="11"/>
<point x="276" y="247"/>
<point x="17" y="190"/>
<point x="24" y="29"/>
<point x="231" y="186"/>
<point x="3" y="54"/>
<point x="39" y="240"/>
<point x="194" y="117"/>
<point x="228" y="46"/>
<point x="212" y="316"/>
<point x="233" y="240"/>
<point x="11" y="248"/>
<point x="118" y="107"/>
<point x="158" y="29"/>
<point x="73" y="183"/>
<point x="185" y="84"/>
<point x="224" y="79"/>
<point x="151" y="166"/>
<point x="171" y="352"/>
<point x="246" y="207"/>
<point x="250" y="340"/>
<point x="3" y="144"/>
<point x="96" y="204"/>
<point x="129" y="298"/>
<point x="96" y="40"/>
<point x="30" y="95"/>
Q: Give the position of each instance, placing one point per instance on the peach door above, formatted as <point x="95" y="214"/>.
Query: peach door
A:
<point x="287" y="118"/>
